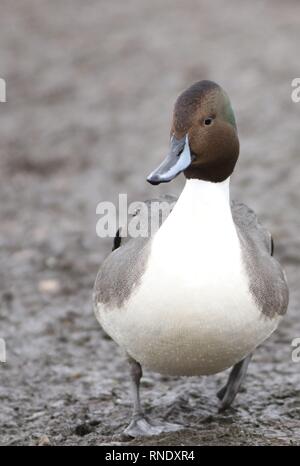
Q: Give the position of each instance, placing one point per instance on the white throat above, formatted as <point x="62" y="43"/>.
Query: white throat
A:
<point x="206" y="190"/>
<point x="199" y="195"/>
<point x="201" y="215"/>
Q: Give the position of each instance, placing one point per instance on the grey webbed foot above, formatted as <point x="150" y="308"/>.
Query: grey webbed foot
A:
<point x="141" y="426"/>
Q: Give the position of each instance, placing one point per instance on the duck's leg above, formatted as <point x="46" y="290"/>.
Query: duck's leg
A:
<point x="228" y="393"/>
<point x="139" y="424"/>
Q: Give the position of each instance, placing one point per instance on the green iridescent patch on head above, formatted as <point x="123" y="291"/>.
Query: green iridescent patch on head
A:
<point x="229" y="114"/>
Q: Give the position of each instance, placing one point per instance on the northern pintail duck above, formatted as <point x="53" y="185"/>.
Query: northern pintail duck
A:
<point x="201" y="293"/>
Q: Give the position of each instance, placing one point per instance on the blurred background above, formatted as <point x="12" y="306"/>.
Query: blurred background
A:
<point x="90" y="91"/>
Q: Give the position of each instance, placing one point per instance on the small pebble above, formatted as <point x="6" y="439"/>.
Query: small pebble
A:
<point x="49" y="286"/>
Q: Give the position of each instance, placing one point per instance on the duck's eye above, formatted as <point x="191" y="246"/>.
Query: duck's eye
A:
<point x="208" y="121"/>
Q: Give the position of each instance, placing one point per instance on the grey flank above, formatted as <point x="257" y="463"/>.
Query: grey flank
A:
<point x="267" y="281"/>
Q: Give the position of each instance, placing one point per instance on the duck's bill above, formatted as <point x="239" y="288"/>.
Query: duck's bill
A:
<point x="178" y="159"/>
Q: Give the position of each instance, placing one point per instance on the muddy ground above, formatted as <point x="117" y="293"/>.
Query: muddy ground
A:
<point x="90" y="87"/>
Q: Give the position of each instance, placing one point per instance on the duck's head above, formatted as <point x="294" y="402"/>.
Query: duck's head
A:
<point x="204" y="142"/>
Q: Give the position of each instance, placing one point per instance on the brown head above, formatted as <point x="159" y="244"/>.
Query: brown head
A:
<point x="204" y="142"/>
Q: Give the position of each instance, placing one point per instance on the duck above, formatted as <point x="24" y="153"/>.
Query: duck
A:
<point x="201" y="292"/>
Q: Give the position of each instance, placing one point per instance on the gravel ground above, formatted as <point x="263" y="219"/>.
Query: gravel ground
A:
<point x="90" y="87"/>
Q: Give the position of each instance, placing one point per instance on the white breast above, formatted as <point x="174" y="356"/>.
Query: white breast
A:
<point x="193" y="312"/>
